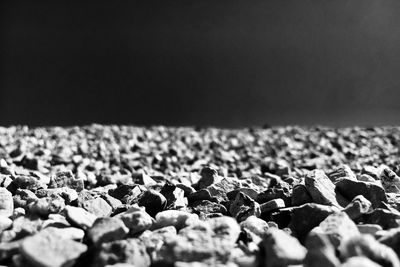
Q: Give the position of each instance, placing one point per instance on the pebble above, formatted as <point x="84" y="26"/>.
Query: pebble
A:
<point x="176" y="218"/>
<point x="272" y="205"/>
<point x="390" y="180"/>
<point x="66" y="179"/>
<point x="255" y="225"/>
<point x="47" y="250"/>
<point x="357" y="207"/>
<point x="342" y="172"/>
<point x="208" y="176"/>
<point x="369" y="228"/>
<point x="320" y="252"/>
<point x="5" y="223"/>
<point x="359" y="262"/>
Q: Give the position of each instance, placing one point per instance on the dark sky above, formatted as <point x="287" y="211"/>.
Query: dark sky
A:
<point x="224" y="63"/>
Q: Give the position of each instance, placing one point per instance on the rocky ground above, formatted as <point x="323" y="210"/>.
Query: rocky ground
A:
<point x="190" y="197"/>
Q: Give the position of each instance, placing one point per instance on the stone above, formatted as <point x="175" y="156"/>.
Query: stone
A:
<point x="66" y="179"/>
<point x="392" y="240"/>
<point x="342" y="172"/>
<point x="136" y="219"/>
<point x="320" y="252"/>
<point x="383" y="217"/>
<point x="80" y="217"/>
<point x="281" y="249"/>
<point x="308" y="216"/>
<point x="23" y="197"/>
<point x="350" y="189"/>
<point x="390" y="180"/>
<point x="272" y="205"/>
<point x="300" y="195"/>
<point x="357" y="207"/>
<point x="6" y="202"/>
<point x="154" y="240"/>
<point x="175" y="196"/>
<point x="338" y="227"/>
<point x="112" y="201"/>
<point x="97" y="206"/>
<point x="368" y="246"/>
<point x="9" y="249"/>
<point x="153" y="202"/>
<point x="106" y="230"/>
<point x="47" y="250"/>
<point x="25" y="182"/>
<point x="255" y="225"/>
<point x="205" y="207"/>
<point x="321" y="188"/>
<point x="244" y="206"/>
<point x="47" y="205"/>
<point x="129" y="251"/>
<point x="208" y="175"/>
<point x="219" y="190"/>
<point x="178" y="219"/>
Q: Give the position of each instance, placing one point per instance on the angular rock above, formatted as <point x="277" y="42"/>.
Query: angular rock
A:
<point x="47" y="205"/>
<point x="390" y="180"/>
<point x="66" y="179"/>
<point x="342" y="172"/>
<point x="350" y="189"/>
<point x="281" y="249"/>
<point x="175" y="196"/>
<point x="97" y="206"/>
<point x="357" y="207"/>
<point x="153" y="202"/>
<point x="272" y="205"/>
<point x="208" y="175"/>
<point x="243" y="206"/>
<point x="383" y="217"/>
<point x="300" y="195"/>
<point x="206" y="207"/>
<point x="65" y="232"/>
<point x="255" y="225"/>
<point x="80" y="217"/>
<point x="321" y="189"/>
<point x="46" y="250"/>
<point x="392" y="240"/>
<point x="371" y="229"/>
<point x="359" y="262"/>
<point x="106" y="230"/>
<point x="136" y="219"/>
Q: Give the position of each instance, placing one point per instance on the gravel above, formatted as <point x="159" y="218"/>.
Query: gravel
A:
<point x="161" y="196"/>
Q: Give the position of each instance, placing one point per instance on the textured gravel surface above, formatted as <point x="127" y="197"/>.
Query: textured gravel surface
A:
<point x="190" y="197"/>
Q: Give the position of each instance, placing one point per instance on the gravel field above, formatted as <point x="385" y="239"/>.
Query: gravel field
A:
<point x="197" y="197"/>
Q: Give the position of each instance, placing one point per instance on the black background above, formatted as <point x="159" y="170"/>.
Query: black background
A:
<point x="223" y="63"/>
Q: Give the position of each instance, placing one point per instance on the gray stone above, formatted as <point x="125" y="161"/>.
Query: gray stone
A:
<point x="272" y="205"/>
<point x="321" y="188"/>
<point x="80" y="217"/>
<point x="48" y="250"/>
<point x="6" y="202"/>
<point x="255" y="225"/>
<point x="97" y="206"/>
<point x="244" y="206"/>
<point x="136" y="219"/>
<point x="106" y="230"/>
<point x="320" y="252"/>
<point x="357" y="207"/>
<point x="176" y="218"/>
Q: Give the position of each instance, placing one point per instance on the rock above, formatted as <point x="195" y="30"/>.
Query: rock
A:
<point x="308" y="216"/>
<point x="255" y="225"/>
<point x="359" y="262"/>
<point x="154" y="240"/>
<point x="176" y="218"/>
<point x="47" y="250"/>
<point x="272" y="205"/>
<point x="342" y="172"/>
<point x="300" y="195"/>
<point x="281" y="249"/>
<point x="243" y="206"/>
<point x="23" y="197"/>
<point x="112" y="201"/>
<point x="6" y="202"/>
<point x="206" y="207"/>
<point x="25" y="182"/>
<point x="281" y="190"/>
<point x="367" y="246"/>
<point x="338" y="227"/>
<point x="208" y="175"/>
<point x="144" y="179"/>
<point x="390" y="180"/>
<point x="320" y="252"/>
<point x="357" y="207"/>
<point x="66" y="179"/>
<point x="247" y="191"/>
<point x="321" y="189"/>
<point x="186" y="189"/>
<point x="130" y="251"/>
<point x="175" y="196"/>
<point x="21" y="227"/>
<point x="9" y="249"/>
<point x="47" y="205"/>
<point x="219" y="190"/>
<point x="97" y="206"/>
<point x="153" y="201"/>
<point x="80" y="217"/>
<point x="106" y="230"/>
<point x="371" y="229"/>
<point x="136" y="219"/>
<point x="350" y="189"/>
